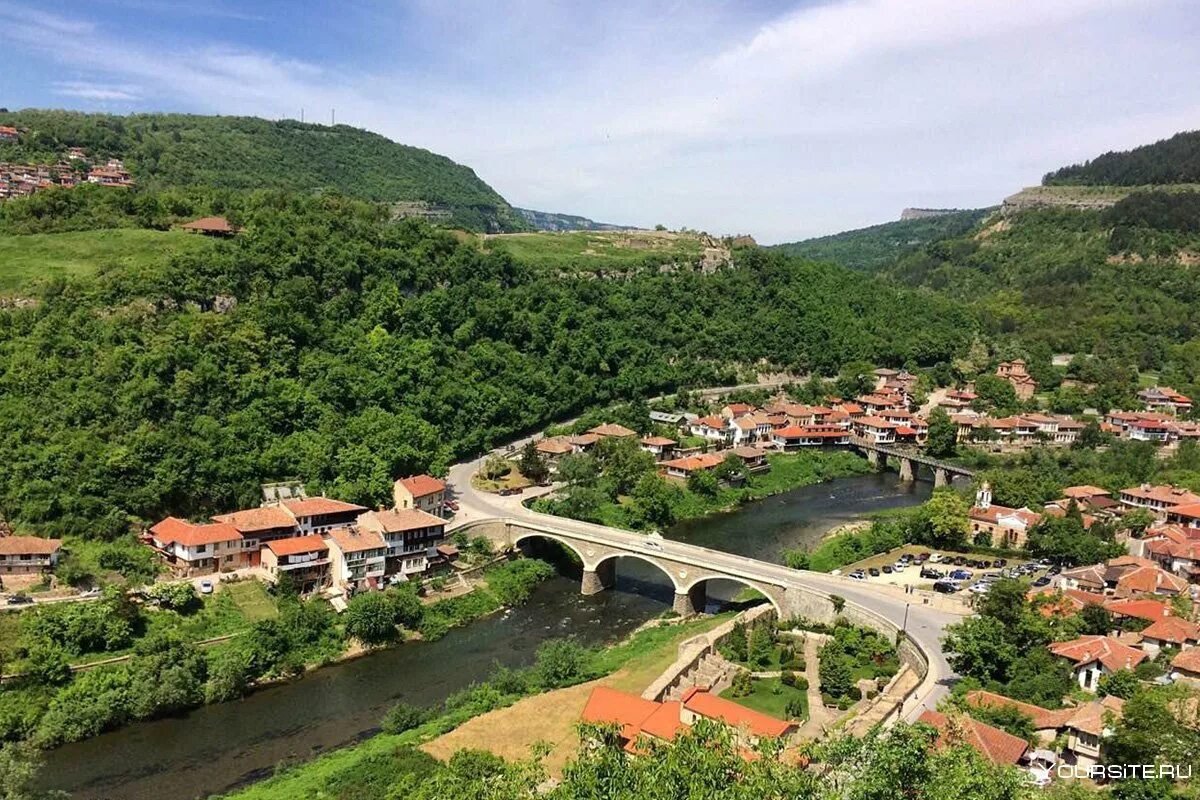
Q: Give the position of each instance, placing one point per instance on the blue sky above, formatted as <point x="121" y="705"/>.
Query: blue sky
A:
<point x="779" y="119"/>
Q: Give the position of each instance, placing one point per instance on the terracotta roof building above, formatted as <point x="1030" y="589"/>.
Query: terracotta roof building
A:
<point x="997" y="746"/>
<point x="28" y="555"/>
<point x="1096" y="656"/>
<point x="212" y="226"/>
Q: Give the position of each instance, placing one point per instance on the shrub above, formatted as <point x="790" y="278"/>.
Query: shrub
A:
<point x="794" y="709"/>
<point x="801" y="683"/>
<point x="402" y="717"/>
<point x="787" y="678"/>
<point x="371" y="618"/>
<point x="742" y="685"/>
<point x="560" y="662"/>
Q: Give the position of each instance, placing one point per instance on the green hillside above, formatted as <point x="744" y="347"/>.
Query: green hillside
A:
<point x="25" y="259"/>
<point x="1173" y="160"/>
<point x="163" y="150"/>
<point x="603" y="251"/>
<point x="879" y="246"/>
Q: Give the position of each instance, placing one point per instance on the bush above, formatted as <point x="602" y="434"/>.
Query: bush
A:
<point x="178" y="597"/>
<point x="845" y="703"/>
<point x="371" y="618"/>
<point x="742" y="685"/>
<point x="513" y="582"/>
<point x="801" y="683"/>
<point x="787" y="678"/>
<point x="560" y="662"/>
<point x="402" y="717"/>
<point x="794" y="709"/>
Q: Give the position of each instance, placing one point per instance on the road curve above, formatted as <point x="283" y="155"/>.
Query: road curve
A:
<point x="924" y="625"/>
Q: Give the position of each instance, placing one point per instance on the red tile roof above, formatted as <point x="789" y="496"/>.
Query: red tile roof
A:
<point x="297" y="544"/>
<point x="1170" y="495"/>
<point x="1174" y="630"/>
<point x="253" y="520"/>
<point x="355" y="541"/>
<point x="605" y="706"/>
<point x="554" y="446"/>
<point x="612" y="429"/>
<point x="1151" y="610"/>
<point x="1042" y="717"/>
<point x="1188" y="660"/>
<point x="658" y="441"/>
<point x="1105" y="649"/>
<point x="422" y="485"/>
<point x="1083" y="492"/>
<point x="997" y="746"/>
<point x="319" y="506"/>
<point x="700" y="701"/>
<point x="407" y="519"/>
<point x="693" y="463"/>
<point x="177" y="531"/>
<point x="28" y="546"/>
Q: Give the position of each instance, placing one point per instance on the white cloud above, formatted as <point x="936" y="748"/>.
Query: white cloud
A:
<point x="713" y="115"/>
<point x="86" y="90"/>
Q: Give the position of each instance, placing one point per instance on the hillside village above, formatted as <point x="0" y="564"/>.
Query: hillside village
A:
<point x="74" y="168"/>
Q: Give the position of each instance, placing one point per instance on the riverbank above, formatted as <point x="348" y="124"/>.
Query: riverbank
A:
<point x="164" y="667"/>
<point x="385" y="760"/>
<point x="653" y="502"/>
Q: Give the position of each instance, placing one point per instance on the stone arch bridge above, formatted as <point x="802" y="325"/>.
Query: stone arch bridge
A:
<point x="908" y="460"/>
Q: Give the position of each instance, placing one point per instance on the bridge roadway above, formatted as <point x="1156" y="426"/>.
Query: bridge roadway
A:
<point x="788" y="589"/>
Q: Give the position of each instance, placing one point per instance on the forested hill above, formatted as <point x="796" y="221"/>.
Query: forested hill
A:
<point x="1173" y="160"/>
<point x="163" y="150"/>
<point x="879" y="246"/>
<point x="329" y="343"/>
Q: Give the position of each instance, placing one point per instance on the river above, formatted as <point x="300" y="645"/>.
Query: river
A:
<point x="220" y="747"/>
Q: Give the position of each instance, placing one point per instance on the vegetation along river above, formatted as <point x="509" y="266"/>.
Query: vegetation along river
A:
<point x="216" y="748"/>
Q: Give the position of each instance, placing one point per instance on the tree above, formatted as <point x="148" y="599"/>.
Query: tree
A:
<point x="578" y="469"/>
<point x="834" y="671"/>
<point x="943" y="434"/>
<point x="560" y="662"/>
<point x="1095" y="620"/>
<point x="737" y="645"/>
<point x="703" y="482"/>
<point x="371" y="618"/>
<point x="624" y="463"/>
<point x="762" y="646"/>
<point x="495" y="467"/>
<point x="1122" y="683"/>
<point x="654" y="501"/>
<point x="946" y="512"/>
<point x="47" y="664"/>
<point x="180" y="597"/>
<point x="996" y="394"/>
<point x="406" y="607"/>
<point x="978" y="647"/>
<point x="20" y="763"/>
<point x="532" y="465"/>
<point x="855" y="378"/>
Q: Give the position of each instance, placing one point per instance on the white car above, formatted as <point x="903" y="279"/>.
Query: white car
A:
<point x="936" y="558"/>
<point x="206" y="587"/>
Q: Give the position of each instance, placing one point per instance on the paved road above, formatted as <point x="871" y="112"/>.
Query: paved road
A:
<point x="925" y="625"/>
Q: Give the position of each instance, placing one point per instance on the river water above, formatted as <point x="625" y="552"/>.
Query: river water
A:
<point x="217" y="748"/>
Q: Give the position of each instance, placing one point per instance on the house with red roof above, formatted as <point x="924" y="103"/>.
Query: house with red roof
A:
<point x="794" y="437"/>
<point x="358" y="559"/>
<point x="8" y="133"/>
<point x="997" y="746"/>
<point x="1186" y="665"/>
<point x="321" y="514"/>
<point x="658" y="446"/>
<point x="639" y="718"/>
<point x="611" y="430"/>
<point x="876" y="430"/>
<point x="304" y="559"/>
<point x="27" y="555"/>
<point x="1007" y="527"/>
<point x="423" y="492"/>
<point x="713" y="428"/>
<point x="1085" y="725"/>
<point x="1015" y="373"/>
<point x="1181" y="557"/>
<point x="212" y="226"/>
<point x="191" y="549"/>
<point x="1164" y="398"/>
<point x="1170" y="632"/>
<point x="1093" y="657"/>
<point x="411" y="535"/>
<point x="682" y="468"/>
<point x="1157" y="499"/>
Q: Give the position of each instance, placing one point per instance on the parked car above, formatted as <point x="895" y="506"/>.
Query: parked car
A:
<point x="931" y="573"/>
<point x="899" y="565"/>
<point x="1042" y="581"/>
<point x="873" y="572"/>
<point x="92" y="592"/>
<point x="982" y="587"/>
<point x="20" y="600"/>
<point x="858" y="575"/>
<point x="452" y="505"/>
<point x="1001" y="562"/>
<point x="887" y="568"/>
<point x="961" y="575"/>
<point x="945" y="587"/>
<point x="923" y="557"/>
<point x="206" y="587"/>
<point x="936" y="558"/>
<point x="959" y="561"/>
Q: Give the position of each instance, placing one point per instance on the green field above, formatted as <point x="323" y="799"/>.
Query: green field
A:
<point x="586" y="250"/>
<point x="770" y="696"/>
<point x="28" y="258"/>
<point x="252" y="599"/>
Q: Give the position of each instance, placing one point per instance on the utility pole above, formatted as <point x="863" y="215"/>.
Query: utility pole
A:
<point x="331" y="117"/>
<point x="302" y="113"/>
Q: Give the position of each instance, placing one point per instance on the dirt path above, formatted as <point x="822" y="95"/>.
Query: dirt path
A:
<point x="819" y="717"/>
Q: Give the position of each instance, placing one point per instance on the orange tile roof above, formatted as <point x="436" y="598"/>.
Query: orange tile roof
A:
<point x="1042" y="717"/>
<point x="253" y="520"/>
<point x="296" y="545"/>
<point x="605" y="706"/>
<point x="177" y="531"/>
<point x="319" y="506"/>
<point x="702" y="702"/>
<point x="658" y="441"/>
<point x="208" y="224"/>
<point x="1171" y="495"/>
<point x="1150" y="580"/>
<point x="612" y="429"/>
<point x="422" y="485"/>
<point x="1105" y="649"/>
<point x="997" y="746"/>
<point x="1151" y="610"/>
<point x="1174" y="630"/>
<point x="1085" y="491"/>
<point x="355" y="541"/>
<point x="406" y="519"/>
<point x="584" y="439"/>
<point x="553" y="446"/>
<point x="693" y="463"/>
<point x="28" y="546"/>
<point x="1188" y="660"/>
<point x="664" y="721"/>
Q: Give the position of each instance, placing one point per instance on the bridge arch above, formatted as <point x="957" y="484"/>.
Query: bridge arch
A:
<point x="697" y="591"/>
<point x="571" y="548"/>
<point x="607" y="565"/>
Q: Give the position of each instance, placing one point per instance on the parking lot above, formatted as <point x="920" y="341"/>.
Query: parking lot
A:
<point x="946" y="571"/>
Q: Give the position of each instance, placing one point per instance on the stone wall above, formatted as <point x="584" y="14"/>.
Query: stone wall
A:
<point x="694" y="650"/>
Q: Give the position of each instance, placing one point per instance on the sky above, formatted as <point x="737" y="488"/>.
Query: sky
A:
<point x="783" y="120"/>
